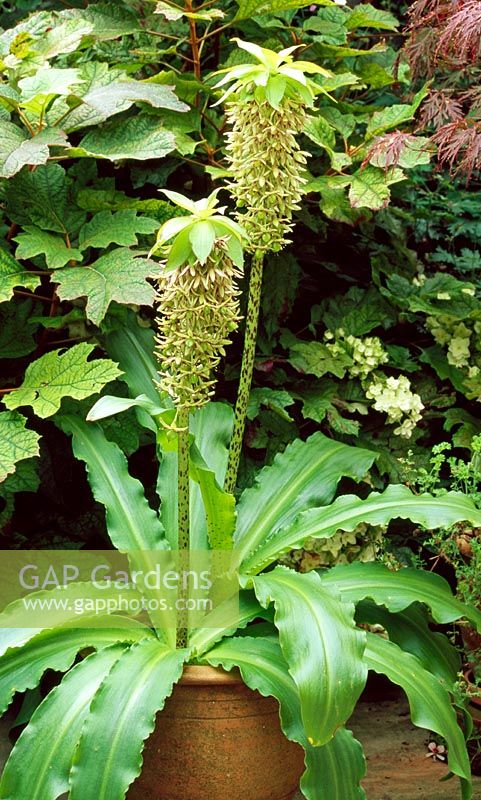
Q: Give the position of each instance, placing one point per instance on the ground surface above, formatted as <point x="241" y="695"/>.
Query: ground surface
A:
<point x="396" y="751"/>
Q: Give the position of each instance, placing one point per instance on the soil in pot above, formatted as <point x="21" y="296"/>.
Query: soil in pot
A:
<point x="217" y="739"/>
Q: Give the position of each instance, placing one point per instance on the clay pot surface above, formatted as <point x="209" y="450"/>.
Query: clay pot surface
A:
<point x="218" y="740"/>
<point x="475" y="711"/>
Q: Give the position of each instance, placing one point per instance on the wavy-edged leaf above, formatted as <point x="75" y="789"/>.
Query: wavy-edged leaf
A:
<point x="264" y="669"/>
<point x="321" y="644"/>
<point x="109" y="406"/>
<point x="333" y="772"/>
<point x="47" y="81"/>
<point x="349" y="511"/>
<point x="62" y="374"/>
<point x="39" y="765"/>
<point x="13" y="618"/>
<point x="394" y="116"/>
<point x="411" y="632"/>
<point x="305" y="475"/>
<point x="397" y="590"/>
<point x="212" y="511"/>
<point x="219" y="506"/>
<point x="133" y="348"/>
<point x="119" y="275"/>
<point x="122" y="716"/>
<point x="17" y="442"/>
<point x="429" y="701"/>
<point x="224" y="621"/>
<point x="132" y="524"/>
<point x="22" y="667"/>
<point x="211" y="427"/>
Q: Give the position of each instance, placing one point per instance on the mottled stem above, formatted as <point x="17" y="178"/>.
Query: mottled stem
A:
<point x="183" y="511"/>
<point x="247" y="369"/>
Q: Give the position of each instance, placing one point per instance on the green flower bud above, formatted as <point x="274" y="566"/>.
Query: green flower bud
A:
<point x="266" y="113"/>
<point x="197" y="310"/>
<point x="198" y="306"/>
<point x="268" y="168"/>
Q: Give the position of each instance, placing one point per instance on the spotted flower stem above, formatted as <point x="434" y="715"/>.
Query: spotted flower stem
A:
<point x="247" y="369"/>
<point x="183" y="443"/>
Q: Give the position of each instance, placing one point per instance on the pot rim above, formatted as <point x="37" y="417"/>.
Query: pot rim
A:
<point x="204" y="675"/>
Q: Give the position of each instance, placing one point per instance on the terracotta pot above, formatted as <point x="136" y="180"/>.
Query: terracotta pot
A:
<point x="475" y="711"/>
<point x="471" y="639"/>
<point x="217" y="739"/>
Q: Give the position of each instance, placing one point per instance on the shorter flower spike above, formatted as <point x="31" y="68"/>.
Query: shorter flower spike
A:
<point x="198" y="305"/>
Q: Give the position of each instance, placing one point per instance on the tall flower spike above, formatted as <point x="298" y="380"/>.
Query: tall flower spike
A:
<point x="266" y="112"/>
<point x="198" y="304"/>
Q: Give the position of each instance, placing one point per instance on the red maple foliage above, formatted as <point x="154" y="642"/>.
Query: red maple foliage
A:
<point x="444" y="44"/>
<point x="459" y="146"/>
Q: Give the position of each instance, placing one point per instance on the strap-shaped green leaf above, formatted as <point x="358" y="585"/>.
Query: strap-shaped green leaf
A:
<point x="133" y="347"/>
<point x="429" y="701"/>
<point x="219" y="506"/>
<point x="304" y="476"/>
<point x="333" y="772"/>
<point x="411" y="632"/>
<point x="321" y="645"/>
<point x="397" y="590"/>
<point x="22" y="667"/>
<point x="349" y="511"/>
<point x="211" y="427"/>
<point x="14" y="617"/>
<point x="132" y="524"/>
<point x="225" y="620"/>
<point x="39" y="765"/>
<point x="122" y="716"/>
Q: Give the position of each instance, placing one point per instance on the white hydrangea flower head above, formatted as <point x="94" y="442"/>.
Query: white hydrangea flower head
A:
<point x="367" y="354"/>
<point x="395" y="398"/>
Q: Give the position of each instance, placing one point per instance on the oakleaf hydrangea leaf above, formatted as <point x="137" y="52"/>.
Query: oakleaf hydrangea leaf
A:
<point x="252" y="8"/>
<point x="44" y="198"/>
<point x="118" y="276"/>
<point x="16" y="442"/>
<point x="62" y="374"/>
<point x="117" y="97"/>
<point x="17" y="149"/>
<point x="48" y="81"/>
<point x="141" y="137"/>
<point x="121" y="227"/>
<point x="12" y="274"/>
<point x="34" y="242"/>
<point x="370" y="187"/>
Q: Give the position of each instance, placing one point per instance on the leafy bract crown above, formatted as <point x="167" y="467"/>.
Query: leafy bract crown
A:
<point x="273" y="77"/>
<point x="191" y="238"/>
